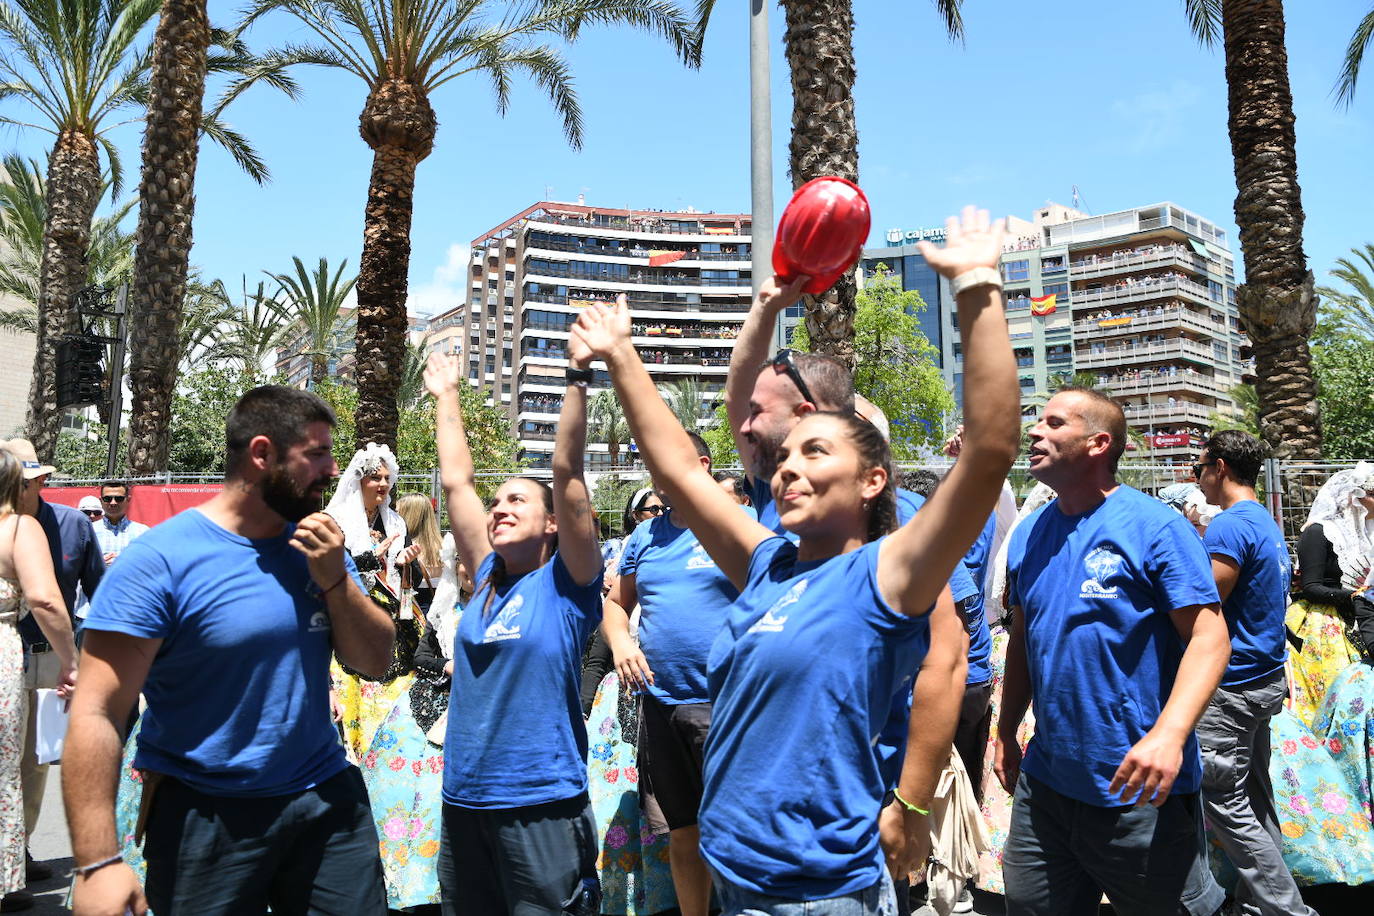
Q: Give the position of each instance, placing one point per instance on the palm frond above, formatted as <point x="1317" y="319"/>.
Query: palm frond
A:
<point x="951" y="11"/>
<point x="1354" y="55"/>
<point x="1204" y="19"/>
<point x="237" y="146"/>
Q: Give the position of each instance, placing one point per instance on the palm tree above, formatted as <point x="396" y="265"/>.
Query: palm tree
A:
<point x="404" y="50"/>
<point x="314" y="302"/>
<point x="258" y="327"/>
<point x="686" y="397"/>
<point x="1351" y="311"/>
<point x="412" y="390"/>
<point x="1277" y="302"/>
<point x="181" y="59"/>
<point x="606" y="423"/>
<point x="1354" y="54"/>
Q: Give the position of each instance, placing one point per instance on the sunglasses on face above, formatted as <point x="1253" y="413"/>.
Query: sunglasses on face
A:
<point x="94" y="513"/>
<point x="1197" y="468"/>
<point x="784" y="360"/>
<point x="652" y="510"/>
<point x="113" y="499"/>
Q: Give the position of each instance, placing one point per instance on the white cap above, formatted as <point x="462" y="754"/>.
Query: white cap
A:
<point x="90" y="504"/>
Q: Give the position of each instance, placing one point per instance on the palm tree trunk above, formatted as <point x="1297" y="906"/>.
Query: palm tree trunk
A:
<point x="167" y="205"/>
<point x="819" y="44"/>
<point x="72" y="195"/>
<point x="319" y="369"/>
<point x="1277" y="304"/>
<point x="399" y="124"/>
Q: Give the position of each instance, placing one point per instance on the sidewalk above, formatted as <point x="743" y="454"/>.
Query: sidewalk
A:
<point x="50" y="845"/>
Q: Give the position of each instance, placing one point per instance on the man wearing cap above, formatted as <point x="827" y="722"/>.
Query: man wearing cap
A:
<point x="116" y="530"/>
<point x="76" y="561"/>
<point x="90" y="507"/>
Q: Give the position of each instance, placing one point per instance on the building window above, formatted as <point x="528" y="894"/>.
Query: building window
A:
<point x="1015" y="270"/>
<point x="1056" y="289"/>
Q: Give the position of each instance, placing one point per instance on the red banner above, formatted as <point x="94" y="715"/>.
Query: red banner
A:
<point x="659" y="258"/>
<point x="150" y="503"/>
<point x="1169" y="441"/>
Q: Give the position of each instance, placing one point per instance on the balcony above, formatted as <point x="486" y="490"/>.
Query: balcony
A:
<point x="648" y="224"/>
<point x="1177" y="348"/>
<point x="639" y="301"/>
<point x="1137" y="383"/>
<point x="1155" y="319"/>
<point x="638" y="252"/>
<point x="1180" y="412"/>
<point x="647" y="277"/>
<point x="1143" y="290"/>
<point x="1106" y="265"/>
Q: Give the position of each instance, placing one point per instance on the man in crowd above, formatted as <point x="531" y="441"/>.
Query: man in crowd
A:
<point x="1119" y="640"/>
<point x="76" y="562"/>
<point x="1252" y="571"/>
<point x="116" y="530"/>
<point x="683" y="601"/>
<point x="225" y="618"/>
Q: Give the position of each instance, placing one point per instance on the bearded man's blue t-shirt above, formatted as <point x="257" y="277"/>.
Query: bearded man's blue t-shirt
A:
<point x="1248" y="536"/>
<point x="238" y="693"/>
<point x="1096" y="591"/>
<point x="683" y="601"/>
<point x="801" y="678"/>
<point x="516" y="735"/>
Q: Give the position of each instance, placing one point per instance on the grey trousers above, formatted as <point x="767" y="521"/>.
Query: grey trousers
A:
<point x="1238" y="797"/>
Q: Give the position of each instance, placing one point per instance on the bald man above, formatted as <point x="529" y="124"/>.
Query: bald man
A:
<point x="1119" y="641"/>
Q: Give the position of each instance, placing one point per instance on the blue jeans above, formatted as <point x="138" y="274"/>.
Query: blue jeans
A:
<point x="877" y="900"/>
<point x="1062" y="854"/>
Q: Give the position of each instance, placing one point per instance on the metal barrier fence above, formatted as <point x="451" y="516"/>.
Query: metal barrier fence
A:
<point x="1287" y="488"/>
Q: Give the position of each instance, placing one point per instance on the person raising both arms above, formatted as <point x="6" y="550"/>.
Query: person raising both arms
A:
<point x="518" y="834"/>
<point x="828" y="630"/>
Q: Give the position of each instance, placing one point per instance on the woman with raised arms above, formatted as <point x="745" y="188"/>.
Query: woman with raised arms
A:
<point x="826" y="631"/>
<point x="517" y="833"/>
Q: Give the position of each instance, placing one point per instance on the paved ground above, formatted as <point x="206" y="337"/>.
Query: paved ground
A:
<point x="50" y="845"/>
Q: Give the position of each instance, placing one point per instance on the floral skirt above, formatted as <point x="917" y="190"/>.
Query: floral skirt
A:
<point x="1326" y="652"/>
<point x="13" y="714"/>
<point x="996" y="801"/>
<point x="365" y="705"/>
<point x="633" y="861"/>
<point x="404" y="774"/>
<point x="1326" y="832"/>
<point x="1346" y="725"/>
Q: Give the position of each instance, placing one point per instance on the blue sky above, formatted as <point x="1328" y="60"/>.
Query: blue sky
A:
<point x="1117" y="99"/>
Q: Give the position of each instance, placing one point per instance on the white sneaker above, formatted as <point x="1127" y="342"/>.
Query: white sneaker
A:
<point x="965" y="902"/>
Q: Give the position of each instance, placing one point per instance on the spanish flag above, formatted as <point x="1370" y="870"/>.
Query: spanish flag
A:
<point x="1043" y="305"/>
<point x="659" y="258"/>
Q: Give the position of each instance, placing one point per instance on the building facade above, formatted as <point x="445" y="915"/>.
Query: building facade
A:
<point x="1142" y="300"/>
<point x="686" y="276"/>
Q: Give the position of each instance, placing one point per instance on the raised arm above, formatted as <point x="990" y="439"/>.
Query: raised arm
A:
<point x="572" y="502"/>
<point x="466" y="514"/>
<point x="751" y="352"/>
<point x="918" y="558"/>
<point x="728" y="534"/>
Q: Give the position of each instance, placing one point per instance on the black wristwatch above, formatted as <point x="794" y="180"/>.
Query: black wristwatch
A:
<point x="579" y="377"/>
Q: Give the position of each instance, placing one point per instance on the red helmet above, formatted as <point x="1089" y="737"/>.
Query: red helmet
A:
<point x="822" y="232"/>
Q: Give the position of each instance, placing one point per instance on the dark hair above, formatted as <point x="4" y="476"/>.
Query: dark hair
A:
<point x="497" y="575"/>
<point x="1242" y="452"/>
<point x="874" y="452"/>
<point x="1104" y="416"/>
<point x="921" y="481"/>
<point x="741" y="490"/>
<point x="115" y="484"/>
<point x="278" y="412"/>
<point x="703" y="450"/>
<point x="628" y="522"/>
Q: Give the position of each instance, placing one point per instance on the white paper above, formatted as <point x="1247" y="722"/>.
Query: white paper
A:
<point x="50" y="728"/>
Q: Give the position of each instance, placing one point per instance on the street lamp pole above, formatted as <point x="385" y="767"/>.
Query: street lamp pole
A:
<point x="760" y="143"/>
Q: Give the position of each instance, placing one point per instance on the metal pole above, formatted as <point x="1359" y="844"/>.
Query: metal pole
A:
<point x="760" y="143"/>
<point x="117" y="377"/>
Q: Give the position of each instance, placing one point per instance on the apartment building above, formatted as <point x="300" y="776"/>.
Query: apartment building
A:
<point x="686" y="275"/>
<point x="1141" y="299"/>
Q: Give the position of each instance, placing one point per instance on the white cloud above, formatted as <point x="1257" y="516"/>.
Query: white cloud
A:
<point x="447" y="286"/>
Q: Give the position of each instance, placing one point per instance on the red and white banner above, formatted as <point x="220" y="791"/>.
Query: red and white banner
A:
<point x="151" y="503"/>
<point x="1169" y="441"/>
<point x="659" y="258"/>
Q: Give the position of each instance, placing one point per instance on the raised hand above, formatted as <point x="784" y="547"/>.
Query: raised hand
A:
<point x="971" y="241"/>
<point x="775" y="295"/>
<point x="318" y="537"/>
<point x="442" y="374"/>
<point x="601" y="328"/>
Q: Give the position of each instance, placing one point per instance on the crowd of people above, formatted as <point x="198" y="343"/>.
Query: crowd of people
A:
<point x="812" y="687"/>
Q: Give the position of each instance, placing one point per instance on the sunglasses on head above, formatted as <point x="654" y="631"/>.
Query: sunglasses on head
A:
<point x="113" y="499"/>
<point x="785" y="360"/>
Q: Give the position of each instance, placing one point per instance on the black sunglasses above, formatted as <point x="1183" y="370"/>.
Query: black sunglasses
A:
<point x="1197" y="468"/>
<point x="113" y="499"/>
<point x="94" y="513"/>
<point x="652" y="510"/>
<point x="784" y="360"/>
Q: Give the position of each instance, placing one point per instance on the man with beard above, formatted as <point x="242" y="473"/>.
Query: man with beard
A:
<point x="225" y="617"/>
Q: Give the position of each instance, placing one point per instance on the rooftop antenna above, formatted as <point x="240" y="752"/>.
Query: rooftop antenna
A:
<point x="1079" y="203"/>
<point x="548" y="192"/>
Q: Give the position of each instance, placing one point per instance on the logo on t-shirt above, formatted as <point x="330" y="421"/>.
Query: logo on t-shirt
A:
<point x="700" y="559"/>
<point x="1101" y="564"/>
<point x="319" y="623"/>
<point x="504" y="626"/>
<point x="771" y="621"/>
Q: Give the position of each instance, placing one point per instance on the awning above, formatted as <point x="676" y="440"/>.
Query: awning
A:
<point x="1198" y="247"/>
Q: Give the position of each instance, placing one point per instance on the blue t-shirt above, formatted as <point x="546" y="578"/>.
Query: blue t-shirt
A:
<point x="515" y="734"/>
<point x="1096" y="590"/>
<point x="238" y="693"/>
<point x="979" y="634"/>
<point x="1248" y="535"/>
<point x="802" y="677"/>
<point x="683" y="599"/>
